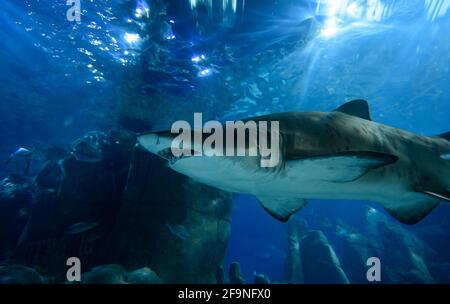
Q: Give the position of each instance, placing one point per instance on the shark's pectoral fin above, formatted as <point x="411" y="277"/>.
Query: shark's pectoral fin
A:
<point x="411" y="213"/>
<point x="341" y="167"/>
<point x="281" y="208"/>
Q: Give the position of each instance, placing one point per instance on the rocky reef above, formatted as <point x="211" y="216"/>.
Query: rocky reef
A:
<point x="313" y="258"/>
<point x="17" y="274"/>
<point x="116" y="274"/>
<point x="235" y="276"/>
<point x="129" y="219"/>
<point x="116" y="205"/>
<point x="188" y="224"/>
<point x="319" y="258"/>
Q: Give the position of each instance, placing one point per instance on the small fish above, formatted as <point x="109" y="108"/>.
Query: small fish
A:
<point x="445" y="156"/>
<point x="181" y="79"/>
<point x="15" y="179"/>
<point x="370" y="211"/>
<point x="20" y="153"/>
<point x="341" y="231"/>
<point x="81" y="227"/>
<point x="179" y="231"/>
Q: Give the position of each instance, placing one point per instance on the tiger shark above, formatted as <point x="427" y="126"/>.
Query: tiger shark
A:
<point x="340" y="154"/>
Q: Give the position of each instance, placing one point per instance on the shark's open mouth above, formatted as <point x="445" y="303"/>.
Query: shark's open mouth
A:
<point x="168" y="155"/>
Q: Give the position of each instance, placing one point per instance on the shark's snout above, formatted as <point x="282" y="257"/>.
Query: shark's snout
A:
<point x="150" y="142"/>
<point x="156" y="143"/>
<point x="161" y="144"/>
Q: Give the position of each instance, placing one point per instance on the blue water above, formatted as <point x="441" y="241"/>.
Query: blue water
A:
<point x="258" y="242"/>
<point x="61" y="79"/>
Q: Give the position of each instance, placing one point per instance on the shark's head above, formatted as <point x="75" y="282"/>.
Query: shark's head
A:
<point x="158" y="143"/>
<point x="224" y="172"/>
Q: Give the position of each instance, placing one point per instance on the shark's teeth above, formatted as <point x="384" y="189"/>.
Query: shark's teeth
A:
<point x="168" y="155"/>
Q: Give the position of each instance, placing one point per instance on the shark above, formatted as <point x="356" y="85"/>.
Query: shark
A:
<point x="341" y="155"/>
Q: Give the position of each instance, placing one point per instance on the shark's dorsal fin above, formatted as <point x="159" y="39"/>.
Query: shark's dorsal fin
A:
<point x="358" y="108"/>
<point x="445" y="135"/>
<point x="281" y="208"/>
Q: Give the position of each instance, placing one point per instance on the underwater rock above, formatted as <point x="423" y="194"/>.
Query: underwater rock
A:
<point x="261" y="279"/>
<point x="39" y="244"/>
<point x="116" y="274"/>
<point x="105" y="274"/>
<point x="419" y="273"/>
<point x="15" y="202"/>
<point x="17" y="274"/>
<point x="294" y="266"/>
<point x="143" y="276"/>
<point x="355" y="251"/>
<point x="320" y="263"/>
<point x="234" y="275"/>
<point x="356" y="248"/>
<point x="129" y="209"/>
<point x="89" y="147"/>
<point x="403" y="255"/>
<point x="220" y="275"/>
<point x="441" y="272"/>
<point x="91" y="191"/>
<point x="88" y="192"/>
<point x="409" y="268"/>
<point x="44" y="213"/>
<point x="175" y="226"/>
<point x="50" y="175"/>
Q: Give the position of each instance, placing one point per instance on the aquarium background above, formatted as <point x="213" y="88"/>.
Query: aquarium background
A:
<point x="140" y="65"/>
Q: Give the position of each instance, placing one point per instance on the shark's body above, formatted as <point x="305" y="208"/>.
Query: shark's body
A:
<point x="332" y="155"/>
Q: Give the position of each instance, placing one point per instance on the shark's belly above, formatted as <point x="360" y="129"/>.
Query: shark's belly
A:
<point x="301" y="181"/>
<point x="373" y="186"/>
<point x="316" y="189"/>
